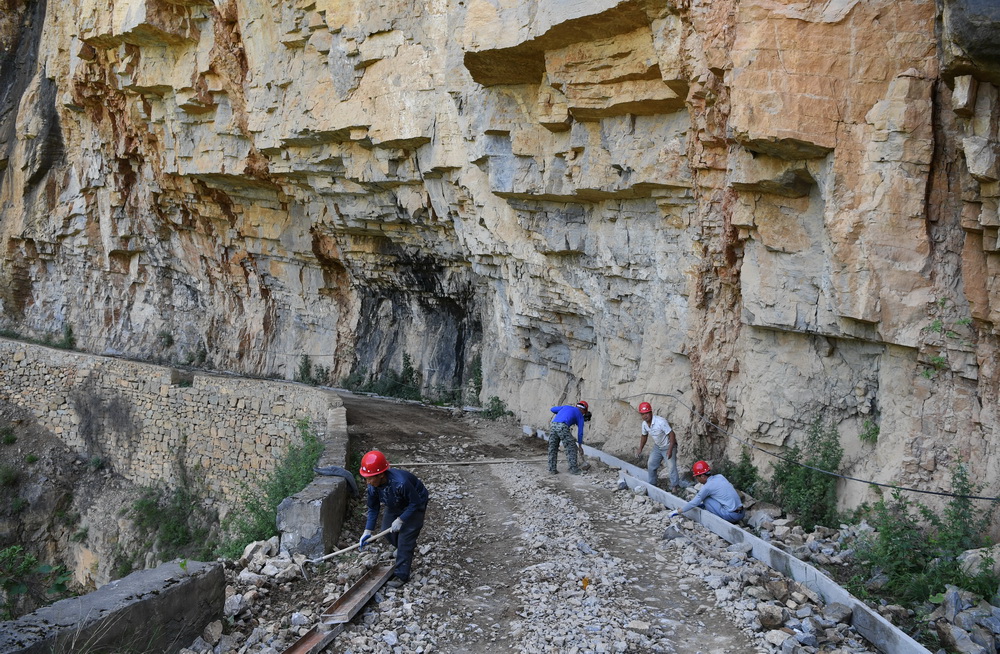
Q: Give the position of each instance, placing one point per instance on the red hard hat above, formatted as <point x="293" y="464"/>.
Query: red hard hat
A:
<point x="373" y="463"/>
<point x="700" y="468"/>
<point x="583" y="405"/>
<point x="645" y="407"/>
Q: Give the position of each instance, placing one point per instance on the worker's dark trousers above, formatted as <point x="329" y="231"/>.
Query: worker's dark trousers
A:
<point x="405" y="540"/>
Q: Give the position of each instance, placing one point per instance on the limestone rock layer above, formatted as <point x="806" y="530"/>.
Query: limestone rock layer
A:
<point x="754" y="214"/>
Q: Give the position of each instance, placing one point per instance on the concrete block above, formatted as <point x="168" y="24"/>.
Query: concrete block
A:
<point x="153" y="610"/>
<point x="310" y="521"/>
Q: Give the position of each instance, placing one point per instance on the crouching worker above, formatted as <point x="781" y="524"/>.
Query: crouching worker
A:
<point x="405" y="500"/>
<point x="717" y="495"/>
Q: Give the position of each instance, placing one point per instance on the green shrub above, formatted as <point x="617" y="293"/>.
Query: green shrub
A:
<point x="321" y="376"/>
<point x="963" y="525"/>
<point x="869" y="432"/>
<point x="897" y="547"/>
<point x="68" y="518"/>
<point x="199" y="357"/>
<point x="164" y="339"/>
<point x="476" y="380"/>
<point x="404" y="384"/>
<point x="256" y="515"/>
<point x="31" y="458"/>
<point x="121" y="561"/>
<point x="26" y="584"/>
<point x="175" y="520"/>
<point x="308" y="373"/>
<point x="806" y="491"/>
<point x="9" y="476"/>
<point x="68" y="340"/>
<point x="496" y="409"/>
<point x="354" y="381"/>
<point x="743" y="475"/>
<point x="304" y="374"/>
<point x="7" y="436"/>
<point x="919" y="558"/>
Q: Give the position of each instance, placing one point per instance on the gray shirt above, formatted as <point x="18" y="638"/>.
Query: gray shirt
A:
<point x="718" y="487"/>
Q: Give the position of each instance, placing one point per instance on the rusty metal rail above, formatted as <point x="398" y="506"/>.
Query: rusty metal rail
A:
<point x="341" y="611"/>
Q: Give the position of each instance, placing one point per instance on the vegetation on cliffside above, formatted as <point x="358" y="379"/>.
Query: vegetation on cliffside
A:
<point x="908" y="555"/>
<point x="255" y="515"/>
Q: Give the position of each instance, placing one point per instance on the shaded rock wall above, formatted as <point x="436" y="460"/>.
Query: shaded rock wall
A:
<point x="768" y="212"/>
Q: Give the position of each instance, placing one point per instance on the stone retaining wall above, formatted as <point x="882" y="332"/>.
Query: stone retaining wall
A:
<point x="150" y="422"/>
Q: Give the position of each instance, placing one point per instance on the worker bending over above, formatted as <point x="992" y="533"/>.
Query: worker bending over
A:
<point x="565" y="416"/>
<point x="405" y="500"/>
<point x="717" y="495"/>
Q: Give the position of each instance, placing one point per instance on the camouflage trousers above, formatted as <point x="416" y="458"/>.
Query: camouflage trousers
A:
<point x="560" y="432"/>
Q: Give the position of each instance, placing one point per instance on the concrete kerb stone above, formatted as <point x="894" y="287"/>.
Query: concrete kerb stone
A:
<point x="879" y="631"/>
<point x="311" y="520"/>
<point x="159" y="610"/>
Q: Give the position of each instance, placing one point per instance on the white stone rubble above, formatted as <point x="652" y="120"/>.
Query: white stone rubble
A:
<point x="571" y="596"/>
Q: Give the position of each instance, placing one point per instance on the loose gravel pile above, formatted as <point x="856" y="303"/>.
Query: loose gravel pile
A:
<point x="570" y="596"/>
<point x="576" y="566"/>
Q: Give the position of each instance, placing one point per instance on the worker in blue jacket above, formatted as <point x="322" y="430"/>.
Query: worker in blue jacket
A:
<point x="565" y="416"/>
<point x="405" y="500"/>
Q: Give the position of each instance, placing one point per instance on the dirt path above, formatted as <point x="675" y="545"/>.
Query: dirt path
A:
<point x="491" y="528"/>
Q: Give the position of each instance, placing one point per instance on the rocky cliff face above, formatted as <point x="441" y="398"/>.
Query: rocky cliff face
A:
<point x="769" y="212"/>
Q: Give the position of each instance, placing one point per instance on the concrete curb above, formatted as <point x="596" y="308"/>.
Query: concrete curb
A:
<point x="879" y="631"/>
<point x="158" y="610"/>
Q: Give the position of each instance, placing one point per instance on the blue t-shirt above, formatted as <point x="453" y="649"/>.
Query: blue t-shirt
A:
<point x="571" y="415"/>
<point x="402" y="491"/>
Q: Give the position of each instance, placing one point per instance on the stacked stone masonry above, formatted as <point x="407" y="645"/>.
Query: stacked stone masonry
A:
<point x="150" y="422"/>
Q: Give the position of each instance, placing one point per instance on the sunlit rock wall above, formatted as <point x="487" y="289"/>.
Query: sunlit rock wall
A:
<point x="759" y="214"/>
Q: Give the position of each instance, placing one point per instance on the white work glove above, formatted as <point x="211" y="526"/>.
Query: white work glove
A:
<point x="397" y="524"/>
<point x="364" y="539"/>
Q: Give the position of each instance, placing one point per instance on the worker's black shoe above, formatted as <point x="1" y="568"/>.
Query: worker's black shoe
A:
<point x="553" y="472"/>
<point x="574" y="471"/>
<point x="395" y="582"/>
